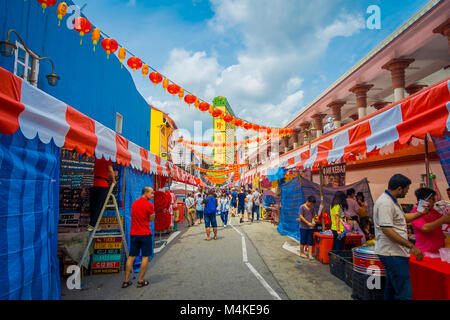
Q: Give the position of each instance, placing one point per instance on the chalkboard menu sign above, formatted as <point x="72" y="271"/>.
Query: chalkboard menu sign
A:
<point x="76" y="178"/>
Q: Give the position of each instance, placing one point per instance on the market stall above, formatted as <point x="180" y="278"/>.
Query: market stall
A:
<point x="47" y="152"/>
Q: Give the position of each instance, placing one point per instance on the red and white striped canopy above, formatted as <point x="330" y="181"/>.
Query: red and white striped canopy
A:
<point x="37" y="113"/>
<point x="380" y="133"/>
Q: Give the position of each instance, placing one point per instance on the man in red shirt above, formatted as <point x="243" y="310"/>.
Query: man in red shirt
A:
<point x="97" y="195"/>
<point x="142" y="213"/>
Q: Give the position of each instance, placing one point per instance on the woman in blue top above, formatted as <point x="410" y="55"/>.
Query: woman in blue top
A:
<point x="211" y="205"/>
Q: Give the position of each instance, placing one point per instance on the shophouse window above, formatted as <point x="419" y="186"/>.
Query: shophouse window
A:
<point x="23" y="65"/>
<point x="119" y="123"/>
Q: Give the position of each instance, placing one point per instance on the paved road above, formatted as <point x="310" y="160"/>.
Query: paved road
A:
<point x="194" y="269"/>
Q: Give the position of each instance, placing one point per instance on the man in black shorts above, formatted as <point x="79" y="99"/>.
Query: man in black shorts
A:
<point x="142" y="213"/>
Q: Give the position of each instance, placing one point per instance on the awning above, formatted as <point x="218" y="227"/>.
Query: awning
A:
<point x="37" y="113"/>
<point x="381" y="133"/>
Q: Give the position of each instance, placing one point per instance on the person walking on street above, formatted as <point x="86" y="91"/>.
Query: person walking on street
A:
<point x="224" y="205"/>
<point x="249" y="205"/>
<point x="190" y="210"/>
<point x="256" y="203"/>
<point x="211" y="205"/>
<point x="199" y="207"/>
<point x="306" y="218"/>
<point x="98" y="193"/>
<point x="392" y="245"/>
<point x="337" y="213"/>
<point x="234" y="195"/>
<point x="142" y="213"/>
<point x="241" y="204"/>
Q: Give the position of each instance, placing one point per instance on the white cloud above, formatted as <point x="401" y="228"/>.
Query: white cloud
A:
<point x="131" y="3"/>
<point x="281" y="40"/>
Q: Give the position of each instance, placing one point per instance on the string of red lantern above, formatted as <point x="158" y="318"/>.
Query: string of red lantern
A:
<point x="225" y="144"/>
<point x="83" y="27"/>
<point x="214" y="161"/>
<point x="214" y="171"/>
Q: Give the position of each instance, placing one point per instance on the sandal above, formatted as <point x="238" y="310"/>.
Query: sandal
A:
<point x="126" y="284"/>
<point x="303" y="256"/>
<point x="142" y="284"/>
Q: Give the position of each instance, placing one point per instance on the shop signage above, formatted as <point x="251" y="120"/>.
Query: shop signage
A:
<point x="334" y="175"/>
<point x="96" y="271"/>
<point x="106" y="265"/>
<point x="110" y="245"/>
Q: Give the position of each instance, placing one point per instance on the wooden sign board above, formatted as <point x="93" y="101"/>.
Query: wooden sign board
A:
<point x="110" y="220"/>
<point x="108" y="240"/>
<point x="97" y="271"/>
<point x="107" y="251"/>
<point x="106" y="265"/>
<point x="108" y="245"/>
<point x="106" y="257"/>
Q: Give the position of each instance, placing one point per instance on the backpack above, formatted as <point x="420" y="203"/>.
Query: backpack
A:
<point x="211" y="205"/>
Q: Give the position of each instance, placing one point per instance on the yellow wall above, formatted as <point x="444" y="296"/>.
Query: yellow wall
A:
<point x="219" y="137"/>
<point x="155" y="127"/>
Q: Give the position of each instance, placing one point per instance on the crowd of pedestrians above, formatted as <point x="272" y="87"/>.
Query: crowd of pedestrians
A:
<point x="206" y="205"/>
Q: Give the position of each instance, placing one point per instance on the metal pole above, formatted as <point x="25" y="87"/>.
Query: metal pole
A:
<point x="321" y="196"/>
<point x="427" y="163"/>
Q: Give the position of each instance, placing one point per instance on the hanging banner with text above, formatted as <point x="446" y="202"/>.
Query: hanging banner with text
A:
<point x="334" y="175"/>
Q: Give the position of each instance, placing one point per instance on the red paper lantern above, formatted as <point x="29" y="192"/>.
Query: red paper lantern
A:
<point x="238" y="122"/>
<point x="216" y="113"/>
<point x="228" y="118"/>
<point x="82" y="26"/>
<point x="203" y="106"/>
<point x="235" y="144"/>
<point x="255" y="127"/>
<point x="173" y="88"/>
<point x="155" y="77"/>
<point x="134" y="63"/>
<point x="189" y="99"/>
<point x="268" y="130"/>
<point x="46" y="3"/>
<point x="110" y="46"/>
<point x="247" y="126"/>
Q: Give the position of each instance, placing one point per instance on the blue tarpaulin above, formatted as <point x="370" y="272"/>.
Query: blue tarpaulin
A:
<point x="295" y="192"/>
<point x="29" y="213"/>
<point x="134" y="182"/>
<point x="291" y="199"/>
<point x="275" y="174"/>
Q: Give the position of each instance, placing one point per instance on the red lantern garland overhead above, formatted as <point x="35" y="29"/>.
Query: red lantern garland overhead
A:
<point x="203" y="106"/>
<point x="155" y="77"/>
<point x="95" y="37"/>
<point x="189" y="99"/>
<point x="46" y="3"/>
<point x="61" y="11"/>
<point x="82" y="26"/>
<point x="145" y="70"/>
<point x="228" y="118"/>
<point x="134" y="63"/>
<point x="216" y="113"/>
<point x="173" y="88"/>
<point x="110" y="46"/>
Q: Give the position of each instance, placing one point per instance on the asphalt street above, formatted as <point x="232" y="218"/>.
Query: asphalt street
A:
<point x="191" y="268"/>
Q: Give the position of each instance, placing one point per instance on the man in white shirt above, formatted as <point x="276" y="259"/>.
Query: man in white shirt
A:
<point x="392" y="245"/>
<point x="190" y="209"/>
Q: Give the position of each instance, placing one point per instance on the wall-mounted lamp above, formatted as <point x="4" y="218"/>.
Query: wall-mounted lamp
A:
<point x="7" y="50"/>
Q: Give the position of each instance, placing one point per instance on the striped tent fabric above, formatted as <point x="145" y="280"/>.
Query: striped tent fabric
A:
<point x="29" y="213"/>
<point x="36" y="113"/>
<point x="392" y="128"/>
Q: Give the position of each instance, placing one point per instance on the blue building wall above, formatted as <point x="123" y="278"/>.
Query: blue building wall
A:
<point x="90" y="83"/>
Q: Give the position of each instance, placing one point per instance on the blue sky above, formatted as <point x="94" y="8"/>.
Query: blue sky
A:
<point x="270" y="58"/>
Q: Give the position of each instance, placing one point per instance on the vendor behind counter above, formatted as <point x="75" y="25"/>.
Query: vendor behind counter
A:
<point x="428" y="228"/>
